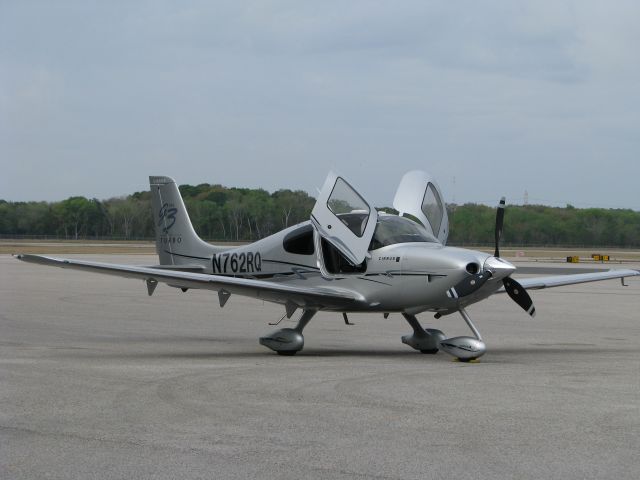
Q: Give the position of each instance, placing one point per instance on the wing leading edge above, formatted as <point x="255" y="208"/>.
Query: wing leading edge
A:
<point x="315" y="297"/>
<point x="538" y="283"/>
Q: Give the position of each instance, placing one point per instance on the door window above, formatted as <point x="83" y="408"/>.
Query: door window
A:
<point x="300" y="241"/>
<point x="350" y="208"/>
<point x="432" y="208"/>
<point x="344" y="218"/>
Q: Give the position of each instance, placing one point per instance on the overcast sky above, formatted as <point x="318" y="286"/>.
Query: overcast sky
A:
<point x="491" y="97"/>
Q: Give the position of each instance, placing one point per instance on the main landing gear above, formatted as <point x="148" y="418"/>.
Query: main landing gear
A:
<point x="430" y="340"/>
<point x="288" y="341"/>
<point x="427" y="341"/>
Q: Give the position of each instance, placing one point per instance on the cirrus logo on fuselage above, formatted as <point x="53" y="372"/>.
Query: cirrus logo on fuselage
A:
<point x="167" y="212"/>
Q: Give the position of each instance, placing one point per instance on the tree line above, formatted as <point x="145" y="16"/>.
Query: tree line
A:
<point x="242" y="214"/>
<point x="540" y="225"/>
<point x="217" y="213"/>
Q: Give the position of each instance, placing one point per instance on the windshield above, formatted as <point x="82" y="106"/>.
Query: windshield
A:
<point x="392" y="229"/>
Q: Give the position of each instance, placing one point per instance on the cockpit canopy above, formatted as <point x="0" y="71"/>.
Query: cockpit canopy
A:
<point x="343" y="217"/>
<point x="392" y="229"/>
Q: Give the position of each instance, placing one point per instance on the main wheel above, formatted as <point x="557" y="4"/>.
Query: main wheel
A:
<point x="288" y="353"/>
<point x="430" y="352"/>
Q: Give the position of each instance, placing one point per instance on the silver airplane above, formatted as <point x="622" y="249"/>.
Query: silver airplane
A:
<point x="347" y="258"/>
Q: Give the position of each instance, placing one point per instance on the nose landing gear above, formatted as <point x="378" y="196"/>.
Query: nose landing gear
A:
<point x="431" y="340"/>
<point x="465" y="349"/>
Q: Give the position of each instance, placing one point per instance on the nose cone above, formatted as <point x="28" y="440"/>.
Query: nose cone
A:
<point x="498" y="267"/>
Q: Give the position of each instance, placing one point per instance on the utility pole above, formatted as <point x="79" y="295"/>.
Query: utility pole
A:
<point x="453" y="190"/>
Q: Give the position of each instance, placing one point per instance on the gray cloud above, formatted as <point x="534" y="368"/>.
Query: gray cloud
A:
<point x="505" y="96"/>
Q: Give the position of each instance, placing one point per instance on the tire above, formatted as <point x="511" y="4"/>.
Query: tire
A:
<point x="430" y="352"/>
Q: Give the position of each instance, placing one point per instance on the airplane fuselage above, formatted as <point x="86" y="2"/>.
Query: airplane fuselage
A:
<point x="413" y="276"/>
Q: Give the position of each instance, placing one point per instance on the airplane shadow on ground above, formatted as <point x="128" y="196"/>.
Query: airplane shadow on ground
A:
<point x="184" y="353"/>
<point x="495" y="355"/>
<point x="236" y="346"/>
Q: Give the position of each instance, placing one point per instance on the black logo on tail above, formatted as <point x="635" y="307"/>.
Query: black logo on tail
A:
<point x="170" y="213"/>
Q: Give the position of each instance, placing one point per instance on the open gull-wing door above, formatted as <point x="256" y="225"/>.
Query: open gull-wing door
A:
<point x="345" y="219"/>
<point x="419" y="196"/>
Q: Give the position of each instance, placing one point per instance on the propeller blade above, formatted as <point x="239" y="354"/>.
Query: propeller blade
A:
<point x="499" y="223"/>
<point x="519" y="295"/>
<point x="469" y="285"/>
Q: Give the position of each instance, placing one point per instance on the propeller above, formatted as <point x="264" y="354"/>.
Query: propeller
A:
<point x="473" y="282"/>
<point x="519" y="295"/>
<point x="468" y="285"/>
<point x="516" y="291"/>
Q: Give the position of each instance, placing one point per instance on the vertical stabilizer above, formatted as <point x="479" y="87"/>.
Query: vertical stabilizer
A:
<point x="176" y="241"/>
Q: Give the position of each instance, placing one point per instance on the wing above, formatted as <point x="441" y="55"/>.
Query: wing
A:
<point x="296" y="296"/>
<point x="538" y="283"/>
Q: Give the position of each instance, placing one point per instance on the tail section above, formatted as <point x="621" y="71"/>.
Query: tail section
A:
<point x="176" y="241"/>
